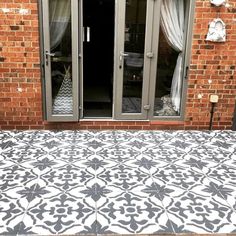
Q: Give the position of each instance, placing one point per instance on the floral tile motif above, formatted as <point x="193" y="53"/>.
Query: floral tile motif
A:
<point x="14" y="176"/>
<point x="228" y="192"/>
<point x="50" y="212"/>
<point x="122" y="182"/>
<point x="178" y="176"/>
<point x="128" y="212"/>
<point x="72" y="152"/>
<point x="119" y="151"/>
<point x="196" y="164"/>
<point x="193" y="212"/>
<point x="124" y="177"/>
<point x="225" y="174"/>
<point x="13" y="205"/>
<point x="68" y="177"/>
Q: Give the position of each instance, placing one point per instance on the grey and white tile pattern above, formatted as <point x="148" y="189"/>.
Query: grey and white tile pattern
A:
<point x="122" y="182"/>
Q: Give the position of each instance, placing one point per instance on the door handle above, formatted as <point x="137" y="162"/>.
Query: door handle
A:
<point x="88" y="34"/>
<point x="122" y="55"/>
<point x="186" y="72"/>
<point x="48" y="54"/>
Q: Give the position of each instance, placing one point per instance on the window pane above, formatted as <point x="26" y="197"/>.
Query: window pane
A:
<point x="61" y="60"/>
<point x="170" y="59"/>
<point x="135" y="23"/>
<point x="167" y="58"/>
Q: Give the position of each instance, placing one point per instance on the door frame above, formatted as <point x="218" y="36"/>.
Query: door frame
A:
<point x="77" y="73"/>
<point x="190" y="8"/>
<point x="151" y="45"/>
<point x="46" y="69"/>
<point x="118" y="72"/>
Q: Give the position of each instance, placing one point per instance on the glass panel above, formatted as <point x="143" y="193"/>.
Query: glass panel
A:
<point x="170" y="61"/>
<point x="167" y="58"/>
<point x="61" y="58"/>
<point x="135" y="23"/>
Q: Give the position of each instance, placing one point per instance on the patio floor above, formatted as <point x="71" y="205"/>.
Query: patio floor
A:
<point x="106" y="182"/>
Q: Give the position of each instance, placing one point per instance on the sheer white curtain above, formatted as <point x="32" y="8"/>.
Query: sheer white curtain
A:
<point x="172" y="23"/>
<point x="59" y="11"/>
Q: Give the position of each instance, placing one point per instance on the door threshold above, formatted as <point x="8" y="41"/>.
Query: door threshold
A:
<point x="110" y="119"/>
<point x="97" y="119"/>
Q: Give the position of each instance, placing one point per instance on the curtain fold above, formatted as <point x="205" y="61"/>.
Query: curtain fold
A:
<point x="172" y="24"/>
<point x="59" y="11"/>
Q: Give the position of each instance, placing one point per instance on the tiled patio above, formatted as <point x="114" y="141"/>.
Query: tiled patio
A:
<point x="106" y="182"/>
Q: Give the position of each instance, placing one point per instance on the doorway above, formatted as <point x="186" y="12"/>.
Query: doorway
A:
<point x="98" y="57"/>
<point x="115" y="59"/>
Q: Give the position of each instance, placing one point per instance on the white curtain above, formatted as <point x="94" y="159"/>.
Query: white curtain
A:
<point x="59" y="11"/>
<point x="172" y="24"/>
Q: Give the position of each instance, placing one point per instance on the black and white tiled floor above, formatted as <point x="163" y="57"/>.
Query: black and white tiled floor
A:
<point x="142" y="182"/>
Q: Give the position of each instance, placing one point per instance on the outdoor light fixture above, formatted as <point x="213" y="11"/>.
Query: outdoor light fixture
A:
<point x="213" y="99"/>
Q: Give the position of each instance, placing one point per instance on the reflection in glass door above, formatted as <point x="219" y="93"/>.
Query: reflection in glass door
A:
<point x="132" y="70"/>
<point x="135" y="24"/>
<point x="61" y="64"/>
<point x="171" y="40"/>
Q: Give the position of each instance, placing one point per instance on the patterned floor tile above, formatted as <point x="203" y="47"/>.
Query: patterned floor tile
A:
<point x="231" y="161"/>
<point x="196" y="164"/>
<point x="120" y="151"/>
<point x="14" y="176"/>
<point x="128" y="212"/>
<point x="205" y="152"/>
<point x="123" y="177"/>
<point x="72" y="152"/>
<point x="144" y="182"/>
<point x="225" y="174"/>
<point x="177" y="176"/>
<point x="228" y="192"/>
<point x="164" y="154"/>
<point x="13" y="205"/>
<point x="63" y="213"/>
<point x="194" y="212"/>
<point x="115" y="137"/>
<point x="68" y="177"/>
<point x="24" y="154"/>
<point x="42" y="164"/>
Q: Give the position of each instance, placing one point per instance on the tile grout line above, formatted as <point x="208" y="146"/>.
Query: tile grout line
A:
<point x="162" y="203"/>
<point x="22" y="222"/>
<point x="227" y="203"/>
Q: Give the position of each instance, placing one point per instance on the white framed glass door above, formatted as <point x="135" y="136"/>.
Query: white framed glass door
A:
<point x="61" y="59"/>
<point x="133" y="57"/>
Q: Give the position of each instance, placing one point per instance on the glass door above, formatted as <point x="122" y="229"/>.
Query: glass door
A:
<point x="133" y="56"/>
<point x="61" y="59"/>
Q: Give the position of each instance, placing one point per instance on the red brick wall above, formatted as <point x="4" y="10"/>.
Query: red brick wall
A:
<point x="212" y="69"/>
<point x="20" y="82"/>
<point x="20" y="86"/>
